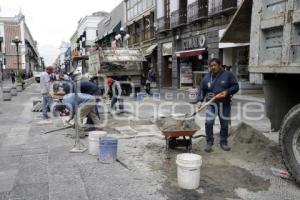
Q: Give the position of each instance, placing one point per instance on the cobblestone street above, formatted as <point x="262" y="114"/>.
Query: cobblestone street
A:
<point x="38" y="166"/>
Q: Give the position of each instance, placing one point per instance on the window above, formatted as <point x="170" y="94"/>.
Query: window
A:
<point x="214" y="6"/>
<point x="160" y="9"/>
<point x="140" y="7"/>
<point x="135" y="7"/>
<point x="145" y="4"/>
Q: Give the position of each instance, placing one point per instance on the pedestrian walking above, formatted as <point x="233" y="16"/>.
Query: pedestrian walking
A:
<point x="217" y="81"/>
<point x="151" y="78"/>
<point x="115" y="93"/>
<point x="13" y="77"/>
<point x="45" y="90"/>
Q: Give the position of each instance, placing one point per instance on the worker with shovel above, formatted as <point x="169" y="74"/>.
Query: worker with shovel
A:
<point x="223" y="85"/>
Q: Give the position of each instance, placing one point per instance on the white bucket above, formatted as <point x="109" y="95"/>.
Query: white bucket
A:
<point x="188" y="170"/>
<point x="94" y="141"/>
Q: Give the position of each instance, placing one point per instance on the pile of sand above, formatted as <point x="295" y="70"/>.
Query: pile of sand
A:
<point x="177" y="124"/>
<point x="252" y="145"/>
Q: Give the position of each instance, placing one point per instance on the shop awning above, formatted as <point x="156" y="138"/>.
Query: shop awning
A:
<point x="114" y="29"/>
<point x="239" y="29"/>
<point x="150" y="50"/>
<point x="190" y="53"/>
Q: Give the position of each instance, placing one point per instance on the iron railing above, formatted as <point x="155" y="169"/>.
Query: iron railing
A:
<point x="163" y="24"/>
<point x="178" y="18"/>
<point x="197" y="10"/>
<point x="222" y="6"/>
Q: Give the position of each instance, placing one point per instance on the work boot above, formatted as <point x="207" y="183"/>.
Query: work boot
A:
<point x="225" y="147"/>
<point x="45" y="117"/>
<point x="208" y="148"/>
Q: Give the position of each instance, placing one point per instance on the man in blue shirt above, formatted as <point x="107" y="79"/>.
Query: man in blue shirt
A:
<point x="87" y="106"/>
<point x="215" y="82"/>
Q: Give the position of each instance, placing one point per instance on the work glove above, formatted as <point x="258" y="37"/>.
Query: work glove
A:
<point x="199" y="105"/>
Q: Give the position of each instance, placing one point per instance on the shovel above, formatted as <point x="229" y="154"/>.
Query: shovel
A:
<point x="218" y="96"/>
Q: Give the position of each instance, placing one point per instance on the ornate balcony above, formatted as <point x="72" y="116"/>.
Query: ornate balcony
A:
<point x="197" y="10"/>
<point x="223" y="7"/>
<point x="178" y="18"/>
<point x="163" y="24"/>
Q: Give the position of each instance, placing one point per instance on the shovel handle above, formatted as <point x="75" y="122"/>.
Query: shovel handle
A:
<point x="216" y="97"/>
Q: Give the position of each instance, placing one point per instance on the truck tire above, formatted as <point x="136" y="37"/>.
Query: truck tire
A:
<point x="289" y="138"/>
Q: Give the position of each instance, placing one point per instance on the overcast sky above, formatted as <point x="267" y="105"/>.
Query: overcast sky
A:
<point x="52" y="21"/>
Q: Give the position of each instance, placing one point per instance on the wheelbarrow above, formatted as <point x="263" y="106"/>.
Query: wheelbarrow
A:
<point x="179" y="139"/>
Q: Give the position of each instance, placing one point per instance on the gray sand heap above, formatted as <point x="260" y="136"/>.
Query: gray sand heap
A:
<point x="177" y="124"/>
<point x="252" y="145"/>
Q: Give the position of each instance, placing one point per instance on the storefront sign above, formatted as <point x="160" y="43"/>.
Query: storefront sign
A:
<point x="186" y="74"/>
<point x="167" y="49"/>
<point x="194" y="42"/>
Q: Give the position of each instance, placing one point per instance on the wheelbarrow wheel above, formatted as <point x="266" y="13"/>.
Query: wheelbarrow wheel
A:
<point x="172" y="142"/>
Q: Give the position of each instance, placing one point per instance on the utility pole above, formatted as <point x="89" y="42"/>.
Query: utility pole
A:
<point x="16" y="41"/>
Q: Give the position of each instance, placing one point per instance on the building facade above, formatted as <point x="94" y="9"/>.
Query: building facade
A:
<point x="111" y="26"/>
<point x="188" y="33"/>
<point x="140" y="25"/>
<point x="27" y="57"/>
<point x="85" y="36"/>
<point x="61" y="63"/>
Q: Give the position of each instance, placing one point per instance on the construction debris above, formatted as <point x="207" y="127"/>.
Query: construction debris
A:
<point x="177" y="124"/>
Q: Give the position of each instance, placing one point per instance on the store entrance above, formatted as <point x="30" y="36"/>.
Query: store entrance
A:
<point x="167" y="71"/>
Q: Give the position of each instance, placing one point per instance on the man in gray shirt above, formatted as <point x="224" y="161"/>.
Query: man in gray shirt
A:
<point x="45" y="90"/>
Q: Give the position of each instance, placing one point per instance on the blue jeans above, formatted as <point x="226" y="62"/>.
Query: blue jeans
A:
<point x="223" y="111"/>
<point x="114" y="100"/>
<point x="47" y="101"/>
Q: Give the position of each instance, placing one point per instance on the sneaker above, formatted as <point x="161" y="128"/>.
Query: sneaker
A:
<point x="225" y="147"/>
<point x="208" y="148"/>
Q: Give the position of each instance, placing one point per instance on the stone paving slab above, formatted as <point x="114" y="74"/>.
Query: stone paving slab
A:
<point x="9" y="162"/>
<point x="4" y="195"/>
<point x="65" y="182"/>
<point x="16" y="136"/>
<point x="37" y="191"/>
<point x="7" y="179"/>
<point x="33" y="169"/>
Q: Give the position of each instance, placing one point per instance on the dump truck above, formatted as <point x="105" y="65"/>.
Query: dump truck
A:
<point x="272" y="27"/>
<point x="122" y="64"/>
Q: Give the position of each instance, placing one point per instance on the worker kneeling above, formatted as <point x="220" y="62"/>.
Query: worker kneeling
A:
<point x="88" y="105"/>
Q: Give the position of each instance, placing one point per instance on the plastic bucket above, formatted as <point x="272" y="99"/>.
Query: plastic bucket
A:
<point x="188" y="170"/>
<point x="94" y="137"/>
<point x="108" y="147"/>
